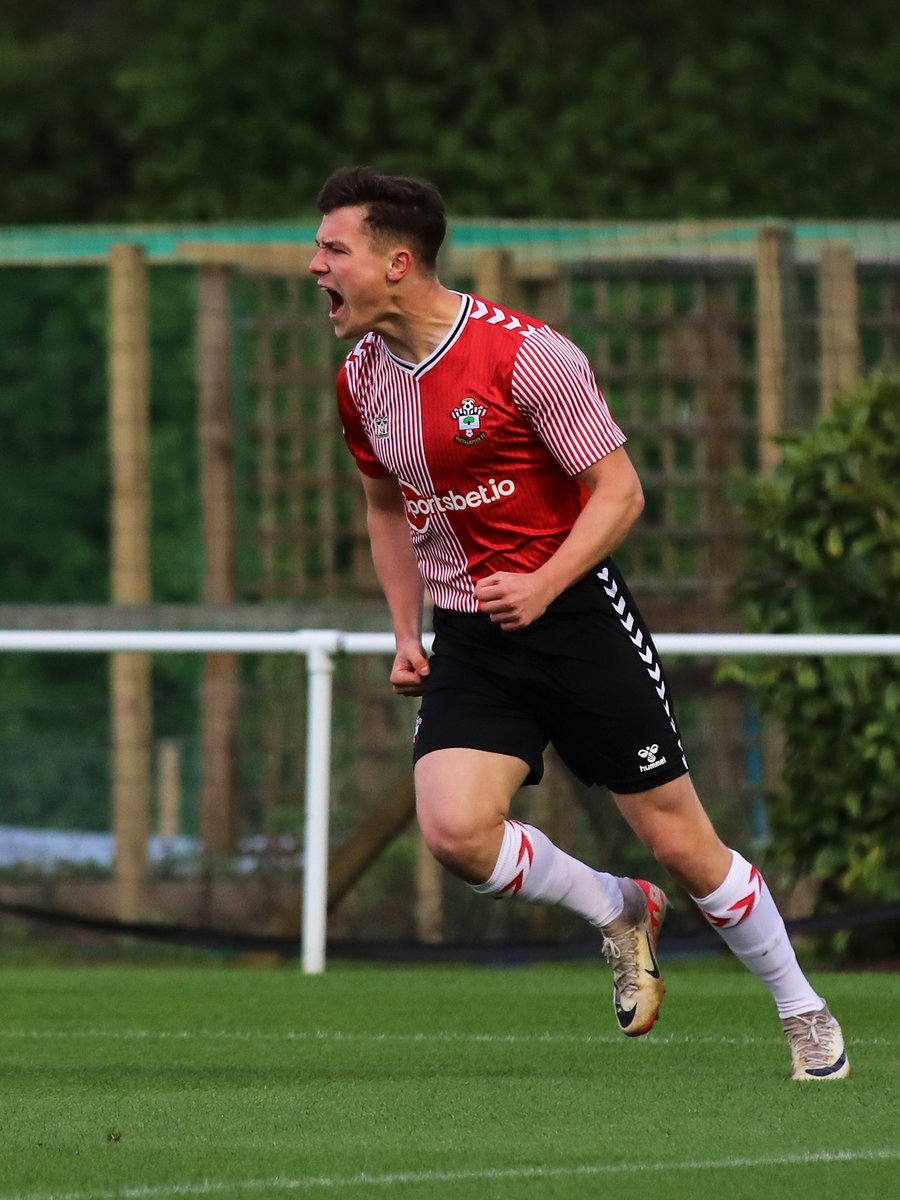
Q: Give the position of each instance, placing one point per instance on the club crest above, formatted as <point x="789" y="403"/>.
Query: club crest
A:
<point x="468" y="418"/>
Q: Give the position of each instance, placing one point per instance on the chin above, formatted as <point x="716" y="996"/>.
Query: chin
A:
<point x="347" y="331"/>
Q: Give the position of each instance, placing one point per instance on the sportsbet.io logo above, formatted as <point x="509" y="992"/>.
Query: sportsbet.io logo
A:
<point x="419" y="508"/>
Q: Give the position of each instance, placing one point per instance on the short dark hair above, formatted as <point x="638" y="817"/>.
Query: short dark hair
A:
<point x="413" y="208"/>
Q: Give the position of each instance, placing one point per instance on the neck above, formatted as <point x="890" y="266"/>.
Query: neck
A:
<point x="420" y="321"/>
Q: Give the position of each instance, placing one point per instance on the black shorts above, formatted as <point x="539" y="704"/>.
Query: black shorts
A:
<point x="584" y="677"/>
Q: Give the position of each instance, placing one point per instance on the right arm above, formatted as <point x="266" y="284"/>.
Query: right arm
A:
<point x="398" y="573"/>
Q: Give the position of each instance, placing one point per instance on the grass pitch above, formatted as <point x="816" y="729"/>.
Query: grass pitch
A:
<point x="148" y="1083"/>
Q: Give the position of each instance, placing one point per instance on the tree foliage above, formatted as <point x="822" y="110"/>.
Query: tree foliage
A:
<point x="824" y="556"/>
<point x="220" y="109"/>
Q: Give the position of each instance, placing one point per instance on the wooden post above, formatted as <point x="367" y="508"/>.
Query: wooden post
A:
<point x="168" y="787"/>
<point x="220" y="671"/>
<point x="129" y="438"/>
<point x="495" y="277"/>
<point x="838" y="322"/>
<point x="429" y="895"/>
<point x="377" y="827"/>
<point x="723" y="444"/>
<point x="775" y="304"/>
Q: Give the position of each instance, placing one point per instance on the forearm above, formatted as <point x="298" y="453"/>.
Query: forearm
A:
<point x="601" y="526"/>
<point x="514" y="600"/>
<point x="397" y="571"/>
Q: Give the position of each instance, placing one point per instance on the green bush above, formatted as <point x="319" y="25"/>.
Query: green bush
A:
<point x="824" y="556"/>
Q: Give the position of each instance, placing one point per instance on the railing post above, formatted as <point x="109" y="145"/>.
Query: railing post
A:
<point x="320" y="680"/>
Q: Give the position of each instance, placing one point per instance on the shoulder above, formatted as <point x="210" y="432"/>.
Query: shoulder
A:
<point x="359" y="362"/>
<point x="526" y="337"/>
<point x="504" y="326"/>
<point x="548" y="354"/>
<point x="551" y="343"/>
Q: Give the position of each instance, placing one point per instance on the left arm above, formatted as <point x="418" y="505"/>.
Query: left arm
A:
<point x="616" y="501"/>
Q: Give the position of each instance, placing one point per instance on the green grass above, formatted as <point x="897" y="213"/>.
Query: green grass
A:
<point x="153" y="1082"/>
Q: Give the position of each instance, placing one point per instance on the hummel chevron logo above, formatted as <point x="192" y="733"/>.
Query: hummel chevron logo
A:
<point x="508" y="320"/>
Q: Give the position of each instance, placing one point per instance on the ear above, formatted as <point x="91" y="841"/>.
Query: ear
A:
<point x="400" y="265"/>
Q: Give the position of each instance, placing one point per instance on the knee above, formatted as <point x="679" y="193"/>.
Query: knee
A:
<point x="454" y="846"/>
<point x="677" y="857"/>
<point x="462" y="846"/>
<point x="697" y="864"/>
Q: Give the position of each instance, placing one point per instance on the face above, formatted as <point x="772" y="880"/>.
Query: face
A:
<point x="352" y="272"/>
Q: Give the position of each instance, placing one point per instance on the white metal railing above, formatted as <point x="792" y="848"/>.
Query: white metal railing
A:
<point x="320" y="646"/>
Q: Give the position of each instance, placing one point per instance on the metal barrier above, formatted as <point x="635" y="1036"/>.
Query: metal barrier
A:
<point x="320" y="646"/>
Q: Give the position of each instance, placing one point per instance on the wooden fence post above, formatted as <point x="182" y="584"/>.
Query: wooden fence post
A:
<point x="168" y="787"/>
<point x="495" y="277"/>
<point x="775" y="309"/>
<point x="722" y="404"/>
<point x="839" y="347"/>
<point x="220" y="671"/>
<point x="429" y="895"/>
<point x="129" y="440"/>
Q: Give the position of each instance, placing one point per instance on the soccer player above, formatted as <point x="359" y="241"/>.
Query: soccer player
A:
<point x="496" y="477"/>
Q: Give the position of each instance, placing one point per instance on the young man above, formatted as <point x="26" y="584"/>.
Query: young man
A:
<point x="495" y="475"/>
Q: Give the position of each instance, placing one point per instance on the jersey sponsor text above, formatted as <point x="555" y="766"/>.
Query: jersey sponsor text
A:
<point x="419" y="508"/>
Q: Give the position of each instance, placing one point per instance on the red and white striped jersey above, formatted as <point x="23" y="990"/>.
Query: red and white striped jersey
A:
<point x="484" y="437"/>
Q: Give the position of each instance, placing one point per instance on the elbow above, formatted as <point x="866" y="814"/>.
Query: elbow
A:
<point x="634" y="502"/>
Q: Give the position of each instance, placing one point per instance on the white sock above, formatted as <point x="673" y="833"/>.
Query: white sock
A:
<point x="531" y="867"/>
<point x="743" y="913"/>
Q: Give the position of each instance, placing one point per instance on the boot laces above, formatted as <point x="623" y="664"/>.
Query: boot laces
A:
<point x="619" y="948"/>
<point x="811" y="1036"/>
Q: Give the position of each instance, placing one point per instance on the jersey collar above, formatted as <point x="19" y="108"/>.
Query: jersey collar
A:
<point x="417" y="370"/>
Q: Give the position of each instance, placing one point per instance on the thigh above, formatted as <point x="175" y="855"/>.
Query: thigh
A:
<point x="611" y="717"/>
<point x="468" y="706"/>
<point x="462" y="799"/>
<point x="466" y="788"/>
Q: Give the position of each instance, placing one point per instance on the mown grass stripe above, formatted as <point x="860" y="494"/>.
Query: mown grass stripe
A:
<point x="328" y="1035"/>
<point x="487" y="1175"/>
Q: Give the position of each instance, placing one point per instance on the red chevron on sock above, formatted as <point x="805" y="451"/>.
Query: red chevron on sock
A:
<point x="525" y="848"/>
<point x="741" y="908"/>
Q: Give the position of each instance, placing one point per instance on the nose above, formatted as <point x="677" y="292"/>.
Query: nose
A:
<point x="317" y="263"/>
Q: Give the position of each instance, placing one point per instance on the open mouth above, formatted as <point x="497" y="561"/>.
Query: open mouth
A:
<point x="336" y="302"/>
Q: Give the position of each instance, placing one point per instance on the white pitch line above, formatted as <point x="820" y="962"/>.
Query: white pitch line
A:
<point x="327" y="1035"/>
<point x="211" y="1187"/>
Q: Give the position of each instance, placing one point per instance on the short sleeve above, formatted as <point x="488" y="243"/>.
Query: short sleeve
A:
<point x="554" y="388"/>
<point x="354" y="435"/>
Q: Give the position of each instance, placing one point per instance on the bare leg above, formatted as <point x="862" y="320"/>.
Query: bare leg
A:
<point x="462" y="800"/>
<point x="673" y="825"/>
